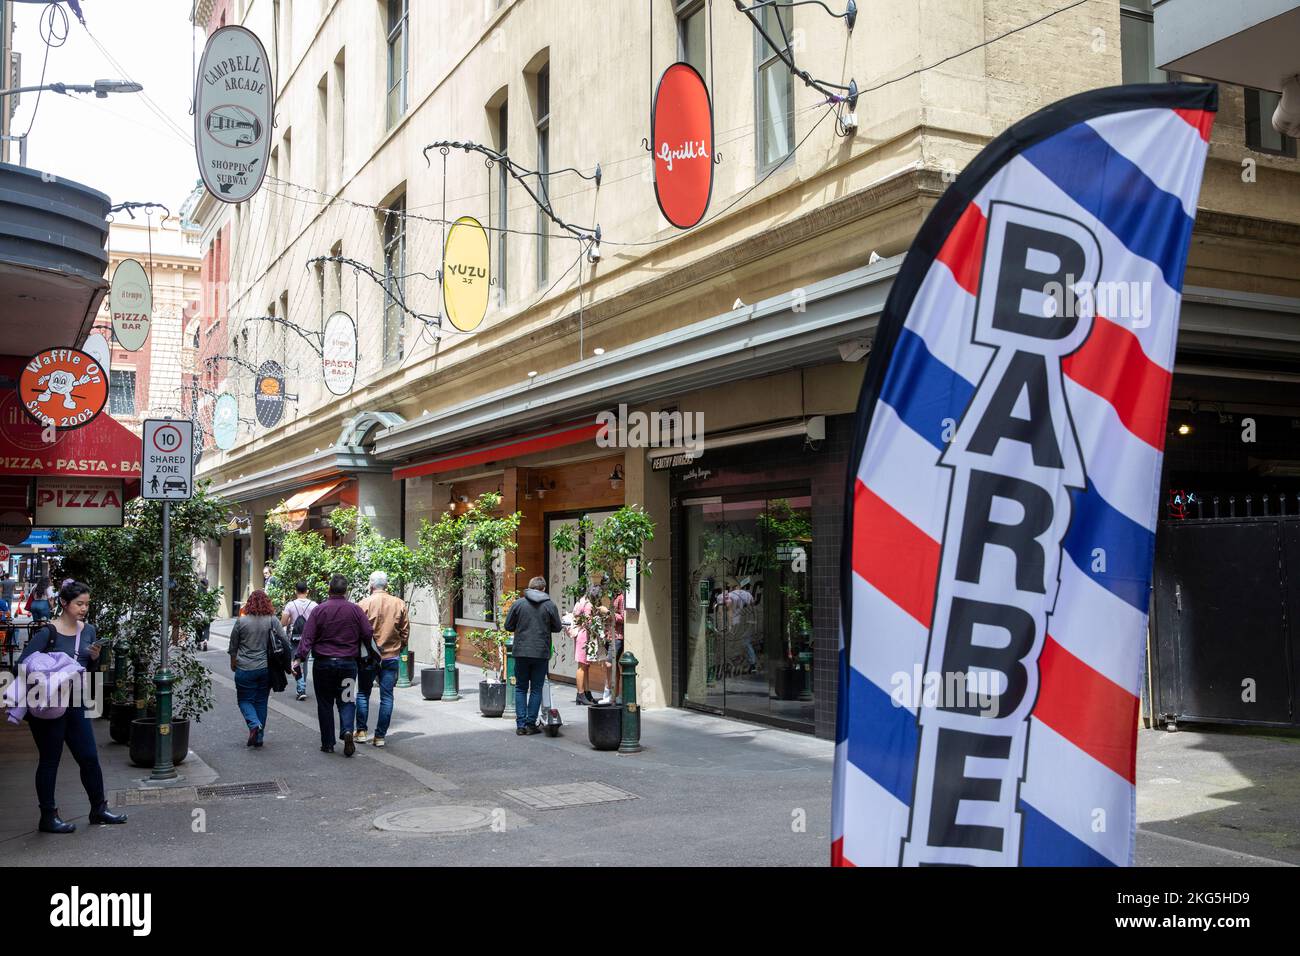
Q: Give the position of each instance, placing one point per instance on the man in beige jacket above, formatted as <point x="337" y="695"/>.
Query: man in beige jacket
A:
<point x="387" y="613"/>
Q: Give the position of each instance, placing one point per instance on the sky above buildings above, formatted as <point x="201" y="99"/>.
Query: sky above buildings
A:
<point x="122" y="145"/>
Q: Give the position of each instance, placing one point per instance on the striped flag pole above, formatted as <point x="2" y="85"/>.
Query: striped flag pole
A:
<point x="1004" y="488"/>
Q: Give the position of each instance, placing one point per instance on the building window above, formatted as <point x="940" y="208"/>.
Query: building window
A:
<point x="121" y="392"/>
<point x="398" y="20"/>
<point x="691" y="37"/>
<point x="340" y="118"/>
<point x="503" y="205"/>
<point x="773" y="91"/>
<point x="1137" y="40"/>
<point x="394" y="278"/>
<point x="543" y="167"/>
<point x="1260" y="134"/>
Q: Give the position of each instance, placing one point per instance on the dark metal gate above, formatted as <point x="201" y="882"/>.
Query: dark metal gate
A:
<point x="1226" y="619"/>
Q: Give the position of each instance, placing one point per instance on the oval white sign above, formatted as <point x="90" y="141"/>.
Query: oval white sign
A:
<point x="339" y="358"/>
<point x="232" y="114"/>
<point x="225" y="421"/>
<point x="98" y="349"/>
<point x="131" y="304"/>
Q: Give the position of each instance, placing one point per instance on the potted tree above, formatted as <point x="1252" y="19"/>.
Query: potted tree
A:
<point x="786" y="534"/>
<point x="490" y="645"/>
<point x="440" y="549"/>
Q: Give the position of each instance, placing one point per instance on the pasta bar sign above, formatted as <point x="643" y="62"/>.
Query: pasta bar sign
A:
<point x="232" y="114"/>
<point x="681" y="133"/>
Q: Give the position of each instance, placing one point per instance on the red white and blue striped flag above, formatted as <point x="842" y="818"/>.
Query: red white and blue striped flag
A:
<point x="1004" y="486"/>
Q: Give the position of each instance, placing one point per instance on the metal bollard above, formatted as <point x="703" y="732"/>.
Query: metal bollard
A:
<point x="405" y="665"/>
<point x="510" y="677"/>
<point x="631" y="742"/>
<point x="449" y="691"/>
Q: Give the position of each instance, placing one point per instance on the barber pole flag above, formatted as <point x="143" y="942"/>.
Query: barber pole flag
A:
<point x="1004" y="486"/>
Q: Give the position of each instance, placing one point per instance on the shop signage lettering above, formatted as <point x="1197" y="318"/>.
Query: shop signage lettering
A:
<point x="78" y="502"/>
<point x="63" y="388"/>
<point x="466" y="274"/>
<point x="681" y="133"/>
<point x="232" y="114"/>
<point x="131" y="305"/>
<point x="339" y="353"/>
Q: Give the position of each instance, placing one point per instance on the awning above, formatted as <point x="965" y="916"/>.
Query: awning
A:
<point x="572" y="433"/>
<point x="101" y="449"/>
<point x="293" y="511"/>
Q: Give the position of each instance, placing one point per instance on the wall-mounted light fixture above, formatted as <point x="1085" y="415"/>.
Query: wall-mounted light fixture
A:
<point x="616" y="477"/>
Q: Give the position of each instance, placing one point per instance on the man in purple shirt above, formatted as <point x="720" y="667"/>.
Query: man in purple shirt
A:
<point x="336" y="633"/>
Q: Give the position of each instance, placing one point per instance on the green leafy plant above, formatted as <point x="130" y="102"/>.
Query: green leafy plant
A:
<point x="490" y="643"/>
<point x="605" y="548"/>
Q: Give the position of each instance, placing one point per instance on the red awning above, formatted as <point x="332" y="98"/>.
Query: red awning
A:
<point x="574" y="433"/>
<point x="102" y="448"/>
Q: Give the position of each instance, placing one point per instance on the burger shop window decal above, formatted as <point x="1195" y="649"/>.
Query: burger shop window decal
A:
<point x="681" y="140"/>
<point x="232" y="114"/>
<point x="63" y="388"/>
<point x="130" y="305"/>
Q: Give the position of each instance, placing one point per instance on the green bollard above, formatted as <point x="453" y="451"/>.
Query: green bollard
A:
<point x="631" y="742"/>
<point x="449" y="655"/>
<point x="510" y="677"/>
<point x="405" y="664"/>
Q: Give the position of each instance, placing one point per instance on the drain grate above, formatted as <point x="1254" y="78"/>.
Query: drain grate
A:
<point x="565" y="795"/>
<point x="259" y="789"/>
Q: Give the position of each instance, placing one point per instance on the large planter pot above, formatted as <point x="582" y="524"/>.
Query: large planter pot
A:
<point x="605" y="726"/>
<point x="145" y="731"/>
<point x="119" y="722"/>
<point x="433" y="680"/>
<point x="492" y="698"/>
<point x="786" y="682"/>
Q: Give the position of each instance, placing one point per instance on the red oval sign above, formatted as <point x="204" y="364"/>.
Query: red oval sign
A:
<point x="681" y="133"/>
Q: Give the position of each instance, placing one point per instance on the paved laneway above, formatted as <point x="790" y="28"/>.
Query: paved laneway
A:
<point x="708" y="792"/>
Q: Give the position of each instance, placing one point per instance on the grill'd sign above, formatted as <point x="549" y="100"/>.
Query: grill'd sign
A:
<point x="232" y="115"/>
<point x="130" y="302"/>
<point x="268" y="394"/>
<point x="339" y="353"/>
<point x="681" y="132"/>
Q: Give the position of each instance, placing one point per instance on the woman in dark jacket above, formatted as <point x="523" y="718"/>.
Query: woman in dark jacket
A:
<point x="73" y="728"/>
<point x="248" y="660"/>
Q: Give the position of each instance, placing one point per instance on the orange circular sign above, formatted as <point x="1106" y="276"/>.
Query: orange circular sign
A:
<point x="64" y="388"/>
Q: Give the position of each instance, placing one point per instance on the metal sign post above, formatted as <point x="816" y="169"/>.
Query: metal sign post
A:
<point x="167" y="475"/>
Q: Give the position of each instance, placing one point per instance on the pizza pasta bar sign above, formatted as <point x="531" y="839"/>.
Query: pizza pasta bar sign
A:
<point x="232" y="114"/>
<point x="131" y="305"/>
<point x="339" y="353"/>
<point x="63" y="388"/>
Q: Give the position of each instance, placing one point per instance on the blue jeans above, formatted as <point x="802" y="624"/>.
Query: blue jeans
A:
<point x="73" y="729"/>
<point x="530" y="676"/>
<point x="335" y="680"/>
<point x="365" y="681"/>
<point x="41" y="610"/>
<point x="301" y="680"/>
<point x="253" y="690"/>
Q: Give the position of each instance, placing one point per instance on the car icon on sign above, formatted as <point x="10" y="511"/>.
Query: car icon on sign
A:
<point x="175" y="484"/>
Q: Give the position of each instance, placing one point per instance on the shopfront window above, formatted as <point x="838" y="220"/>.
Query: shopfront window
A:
<point x="748" y="611"/>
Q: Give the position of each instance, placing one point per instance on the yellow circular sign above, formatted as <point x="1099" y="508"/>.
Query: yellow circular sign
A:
<point x="466" y="274"/>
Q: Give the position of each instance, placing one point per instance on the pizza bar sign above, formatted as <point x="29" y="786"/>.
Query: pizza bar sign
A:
<point x="78" y="502"/>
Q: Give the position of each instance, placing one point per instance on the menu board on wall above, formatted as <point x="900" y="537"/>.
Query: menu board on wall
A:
<point x="477" y="603"/>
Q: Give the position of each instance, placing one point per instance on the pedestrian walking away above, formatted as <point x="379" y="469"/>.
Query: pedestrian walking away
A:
<point x="67" y="643"/>
<point x="533" y="618"/>
<point x="338" y="634"/>
<point x="38" y="604"/>
<point x="252" y="661"/>
<point x="392" y="629"/>
<point x="294" y="618"/>
<point x="202" y="623"/>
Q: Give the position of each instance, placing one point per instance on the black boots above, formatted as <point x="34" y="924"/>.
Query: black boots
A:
<point x="101" y="814"/>
<point x="50" y="823"/>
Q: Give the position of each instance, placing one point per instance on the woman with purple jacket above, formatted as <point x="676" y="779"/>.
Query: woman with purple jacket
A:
<point x="68" y="633"/>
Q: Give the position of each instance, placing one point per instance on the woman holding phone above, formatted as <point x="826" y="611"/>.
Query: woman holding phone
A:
<point x="68" y="633"/>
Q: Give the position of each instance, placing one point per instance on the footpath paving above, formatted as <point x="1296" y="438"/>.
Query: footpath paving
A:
<point x="455" y="788"/>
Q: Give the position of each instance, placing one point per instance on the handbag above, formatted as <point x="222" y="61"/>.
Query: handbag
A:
<point x="278" y="655"/>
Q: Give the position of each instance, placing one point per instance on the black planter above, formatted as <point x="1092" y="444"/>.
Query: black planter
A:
<point x="605" y="726"/>
<point x="786" y="683"/>
<point x="491" y="698"/>
<point x="143" y="734"/>
<point x="119" y="722"/>
<point x="433" y="680"/>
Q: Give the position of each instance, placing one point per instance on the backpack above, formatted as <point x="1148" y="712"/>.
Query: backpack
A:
<point x="300" y="622"/>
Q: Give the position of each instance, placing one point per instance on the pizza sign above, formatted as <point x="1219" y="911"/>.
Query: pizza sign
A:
<point x="63" y="388"/>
